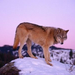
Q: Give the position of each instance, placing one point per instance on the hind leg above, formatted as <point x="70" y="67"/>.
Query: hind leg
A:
<point x="22" y="36"/>
<point x="22" y="41"/>
<point x="29" y="49"/>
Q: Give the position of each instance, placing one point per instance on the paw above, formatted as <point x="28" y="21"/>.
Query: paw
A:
<point x="50" y="64"/>
<point x="20" y="56"/>
<point x="36" y="58"/>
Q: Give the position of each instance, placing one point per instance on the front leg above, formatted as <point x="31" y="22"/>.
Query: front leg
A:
<point x="49" y="57"/>
<point x="46" y="55"/>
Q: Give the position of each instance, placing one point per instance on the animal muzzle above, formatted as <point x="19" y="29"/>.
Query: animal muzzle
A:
<point x="61" y="43"/>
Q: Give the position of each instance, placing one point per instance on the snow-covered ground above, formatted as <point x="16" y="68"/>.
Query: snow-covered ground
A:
<point x="31" y="66"/>
<point x="63" y="56"/>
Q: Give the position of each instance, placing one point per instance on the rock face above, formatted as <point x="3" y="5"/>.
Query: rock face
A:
<point x="9" y="69"/>
<point x="5" y="58"/>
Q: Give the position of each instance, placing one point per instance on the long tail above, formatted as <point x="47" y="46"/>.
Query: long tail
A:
<point x="16" y="42"/>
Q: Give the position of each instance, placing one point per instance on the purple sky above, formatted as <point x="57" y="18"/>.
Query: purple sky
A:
<point x="56" y="13"/>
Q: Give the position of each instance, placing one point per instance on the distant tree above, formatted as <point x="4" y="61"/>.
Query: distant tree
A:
<point x="61" y="60"/>
<point x="1" y="56"/>
<point x="51" y="54"/>
<point x="71" y="54"/>
<point x="74" y="62"/>
<point x="1" y="63"/>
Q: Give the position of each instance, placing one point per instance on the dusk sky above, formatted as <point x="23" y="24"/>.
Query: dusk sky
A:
<point x="56" y="13"/>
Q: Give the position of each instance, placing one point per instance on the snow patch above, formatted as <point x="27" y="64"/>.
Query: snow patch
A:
<point x="31" y="66"/>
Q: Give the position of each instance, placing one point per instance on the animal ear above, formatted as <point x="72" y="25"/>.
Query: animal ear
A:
<point x="58" y="30"/>
<point x="66" y="31"/>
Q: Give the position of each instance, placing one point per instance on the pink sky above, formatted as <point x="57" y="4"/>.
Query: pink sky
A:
<point x="56" y="13"/>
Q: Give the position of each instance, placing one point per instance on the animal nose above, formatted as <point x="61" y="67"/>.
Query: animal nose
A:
<point x="62" y="43"/>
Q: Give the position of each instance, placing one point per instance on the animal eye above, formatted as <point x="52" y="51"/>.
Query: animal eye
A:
<point x="58" y="35"/>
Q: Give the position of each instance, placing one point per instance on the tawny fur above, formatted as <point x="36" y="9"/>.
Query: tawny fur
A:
<point x="44" y="36"/>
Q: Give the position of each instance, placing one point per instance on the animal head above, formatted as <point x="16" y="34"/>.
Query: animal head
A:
<point x="61" y="35"/>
